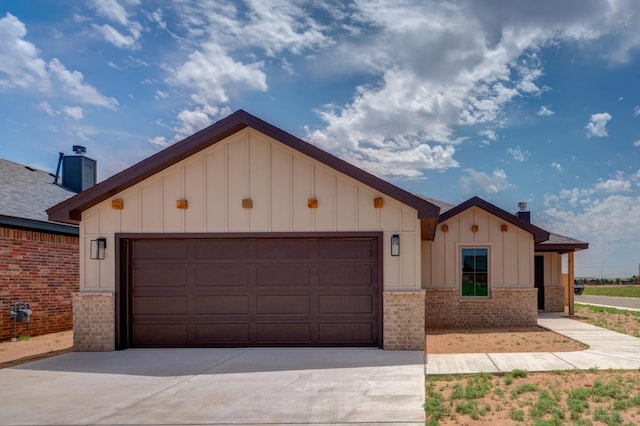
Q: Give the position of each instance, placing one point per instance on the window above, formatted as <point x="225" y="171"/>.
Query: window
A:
<point x="475" y="272"/>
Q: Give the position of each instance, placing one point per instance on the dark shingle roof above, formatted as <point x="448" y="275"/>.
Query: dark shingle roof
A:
<point x="27" y="193"/>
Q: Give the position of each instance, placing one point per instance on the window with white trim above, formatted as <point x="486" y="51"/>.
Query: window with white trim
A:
<point x="475" y="272"/>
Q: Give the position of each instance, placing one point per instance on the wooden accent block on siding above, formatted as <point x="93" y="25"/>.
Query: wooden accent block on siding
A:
<point x="182" y="204"/>
<point x="312" y="203"/>
<point x="378" y="202"/>
<point x="247" y="203"/>
<point x="117" y="204"/>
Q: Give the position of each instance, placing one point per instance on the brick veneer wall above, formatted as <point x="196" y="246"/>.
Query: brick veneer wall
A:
<point x="554" y="299"/>
<point x="403" y="318"/>
<point x="93" y="322"/>
<point x="444" y="308"/>
<point x="41" y="269"/>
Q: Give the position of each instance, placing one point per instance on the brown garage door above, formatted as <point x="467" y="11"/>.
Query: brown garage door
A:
<point x="254" y="292"/>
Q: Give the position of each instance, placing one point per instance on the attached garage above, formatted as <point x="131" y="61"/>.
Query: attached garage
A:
<point x="293" y="290"/>
<point x="244" y="235"/>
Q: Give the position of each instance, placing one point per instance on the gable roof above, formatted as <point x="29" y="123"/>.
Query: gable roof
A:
<point x="70" y="211"/>
<point x="539" y="234"/>
<point x="26" y="193"/>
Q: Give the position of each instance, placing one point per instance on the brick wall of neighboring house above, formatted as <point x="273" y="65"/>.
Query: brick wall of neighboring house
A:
<point x="403" y="319"/>
<point x="40" y="269"/>
<point x="554" y="299"/>
<point x="444" y="308"/>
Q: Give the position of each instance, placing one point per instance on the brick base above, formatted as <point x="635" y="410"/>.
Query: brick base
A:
<point x="403" y="317"/>
<point x="93" y="322"/>
<point x="554" y="299"/>
<point x="444" y="308"/>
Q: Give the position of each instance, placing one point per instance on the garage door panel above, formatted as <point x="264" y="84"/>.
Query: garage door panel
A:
<point x="226" y="333"/>
<point x="283" y="275"/>
<point x="161" y="334"/>
<point x="350" y="332"/>
<point x="345" y="304"/>
<point x="224" y="304"/>
<point x="148" y="250"/>
<point x="283" y="333"/>
<point x="346" y="274"/>
<point x="283" y="248"/>
<point x="225" y="275"/>
<point x="283" y="304"/>
<point x="159" y="277"/>
<point x="346" y="249"/>
<point x="160" y="305"/>
<point x="222" y="249"/>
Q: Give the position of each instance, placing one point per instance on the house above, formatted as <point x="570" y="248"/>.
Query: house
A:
<point x="39" y="262"/>
<point x="244" y="235"/>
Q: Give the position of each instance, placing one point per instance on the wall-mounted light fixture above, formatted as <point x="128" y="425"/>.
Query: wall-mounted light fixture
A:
<point x="98" y="248"/>
<point x="395" y="245"/>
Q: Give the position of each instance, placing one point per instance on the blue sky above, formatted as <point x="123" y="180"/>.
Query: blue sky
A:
<point x="507" y="100"/>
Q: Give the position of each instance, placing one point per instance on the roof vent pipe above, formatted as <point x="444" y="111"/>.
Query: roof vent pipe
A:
<point x="79" y="150"/>
<point x="55" y="180"/>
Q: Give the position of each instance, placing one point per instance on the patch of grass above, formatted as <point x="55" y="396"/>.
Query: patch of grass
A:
<point x="523" y="388"/>
<point x="434" y="405"/>
<point x="604" y="290"/>
<point x="24" y="338"/>
<point x="516" y="415"/>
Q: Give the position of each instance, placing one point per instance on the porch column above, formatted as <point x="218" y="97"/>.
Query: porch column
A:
<point x="570" y="267"/>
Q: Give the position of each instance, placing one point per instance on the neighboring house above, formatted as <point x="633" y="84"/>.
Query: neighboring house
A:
<point x="244" y="235"/>
<point x="39" y="259"/>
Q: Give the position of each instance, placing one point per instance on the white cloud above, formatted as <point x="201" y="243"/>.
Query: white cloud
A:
<point x="597" y="126"/>
<point x="117" y="14"/>
<point x="637" y="143"/>
<point x="74" y="112"/>
<point x="557" y="166"/>
<point x="545" y="111"/>
<point x="44" y="106"/>
<point x="612" y="186"/>
<point x="518" y="154"/>
<point x="161" y="95"/>
<point x="20" y="61"/>
<point x="490" y="134"/>
<point x="479" y="181"/>
<point x="636" y="111"/>
<point x="74" y="85"/>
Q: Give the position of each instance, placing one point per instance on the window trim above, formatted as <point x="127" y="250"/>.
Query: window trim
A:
<point x="459" y="248"/>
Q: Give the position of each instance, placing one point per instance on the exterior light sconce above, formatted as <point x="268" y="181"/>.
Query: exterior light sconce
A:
<point x="395" y="245"/>
<point x="504" y="228"/>
<point x="445" y="228"/>
<point x="182" y="204"/>
<point x="475" y="228"/>
<point x="312" y="203"/>
<point x="378" y="203"/>
<point x="98" y="248"/>
<point x="117" y="204"/>
<point x="247" y="203"/>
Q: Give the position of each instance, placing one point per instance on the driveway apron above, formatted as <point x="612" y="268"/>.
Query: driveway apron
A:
<point x="217" y="387"/>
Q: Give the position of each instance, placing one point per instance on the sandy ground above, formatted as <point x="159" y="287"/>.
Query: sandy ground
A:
<point x="534" y="339"/>
<point x="14" y="353"/>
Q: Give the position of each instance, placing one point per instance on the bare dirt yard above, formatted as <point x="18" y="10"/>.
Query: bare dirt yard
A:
<point x="534" y="339"/>
<point x="32" y="348"/>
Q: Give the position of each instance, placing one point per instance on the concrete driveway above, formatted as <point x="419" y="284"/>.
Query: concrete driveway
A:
<point x="217" y="387"/>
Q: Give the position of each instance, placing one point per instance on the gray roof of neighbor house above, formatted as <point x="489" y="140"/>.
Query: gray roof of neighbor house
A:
<point x="25" y="195"/>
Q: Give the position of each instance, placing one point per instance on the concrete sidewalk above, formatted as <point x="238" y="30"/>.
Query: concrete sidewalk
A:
<point x="607" y="349"/>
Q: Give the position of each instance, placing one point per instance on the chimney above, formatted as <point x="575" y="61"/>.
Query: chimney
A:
<point x="78" y="171"/>
<point x="523" y="213"/>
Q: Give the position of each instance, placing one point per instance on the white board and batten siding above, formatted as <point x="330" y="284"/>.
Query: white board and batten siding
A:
<point x="279" y="180"/>
<point x="510" y="252"/>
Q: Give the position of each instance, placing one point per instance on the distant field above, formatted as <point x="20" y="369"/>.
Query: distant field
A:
<point x="612" y="290"/>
